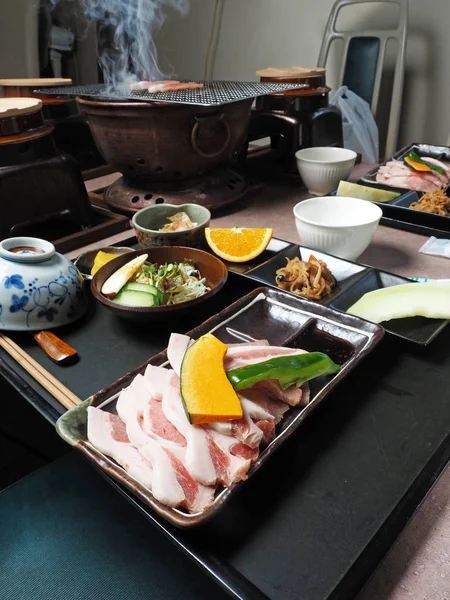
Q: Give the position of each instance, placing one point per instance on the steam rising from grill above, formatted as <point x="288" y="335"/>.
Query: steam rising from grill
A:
<point x="127" y="30"/>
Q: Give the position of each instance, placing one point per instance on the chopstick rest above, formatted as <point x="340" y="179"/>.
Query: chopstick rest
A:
<point x="55" y="348"/>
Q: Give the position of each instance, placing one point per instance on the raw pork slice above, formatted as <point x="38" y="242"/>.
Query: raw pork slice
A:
<point x="249" y="354"/>
<point x="226" y="454"/>
<point x="158" y="426"/>
<point x="178" y="344"/>
<point x="209" y="459"/>
<point x="243" y="429"/>
<point x="172" y="484"/>
<point x="292" y="395"/>
<point x="156" y="379"/>
<point x="107" y="433"/>
<point x="198" y="459"/>
<point x="439" y="163"/>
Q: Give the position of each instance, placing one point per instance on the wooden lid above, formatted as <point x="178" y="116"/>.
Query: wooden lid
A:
<point x="276" y="72"/>
<point x="48" y="82"/>
<point x="13" y="107"/>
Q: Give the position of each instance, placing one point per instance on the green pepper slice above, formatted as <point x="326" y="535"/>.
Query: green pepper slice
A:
<point x="288" y="370"/>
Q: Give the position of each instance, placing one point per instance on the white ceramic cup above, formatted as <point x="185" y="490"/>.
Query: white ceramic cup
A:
<point x="321" y="169"/>
<point x="337" y="225"/>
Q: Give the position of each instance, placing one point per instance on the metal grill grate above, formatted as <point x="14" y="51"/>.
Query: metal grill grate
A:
<point x="215" y="93"/>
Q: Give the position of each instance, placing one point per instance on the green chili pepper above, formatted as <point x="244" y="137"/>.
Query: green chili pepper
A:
<point x="288" y="370"/>
<point x="424" y="161"/>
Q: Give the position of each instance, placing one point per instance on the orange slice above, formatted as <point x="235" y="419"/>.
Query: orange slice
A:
<point x="238" y="244"/>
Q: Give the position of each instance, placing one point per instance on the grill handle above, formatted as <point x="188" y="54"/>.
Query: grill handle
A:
<point x="206" y="128"/>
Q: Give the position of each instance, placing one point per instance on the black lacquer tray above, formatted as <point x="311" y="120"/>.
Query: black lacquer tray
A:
<point x="316" y="519"/>
<point x="353" y="281"/>
<point x="398" y="211"/>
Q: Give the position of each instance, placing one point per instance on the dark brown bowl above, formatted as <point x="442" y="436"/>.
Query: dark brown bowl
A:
<point x="211" y="268"/>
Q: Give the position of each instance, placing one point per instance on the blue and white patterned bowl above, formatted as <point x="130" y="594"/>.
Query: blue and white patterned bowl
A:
<point x="39" y="288"/>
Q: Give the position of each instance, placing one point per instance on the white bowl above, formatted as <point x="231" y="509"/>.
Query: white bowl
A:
<point x="321" y="169"/>
<point x="337" y="225"/>
<point x="39" y="288"/>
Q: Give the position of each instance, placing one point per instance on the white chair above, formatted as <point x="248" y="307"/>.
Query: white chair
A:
<point x="363" y="59"/>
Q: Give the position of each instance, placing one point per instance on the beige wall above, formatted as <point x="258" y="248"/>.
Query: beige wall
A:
<point x="260" y="33"/>
<point x="18" y="39"/>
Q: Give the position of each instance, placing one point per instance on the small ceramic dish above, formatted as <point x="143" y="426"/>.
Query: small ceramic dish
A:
<point x="148" y="221"/>
<point x="85" y="261"/>
<point x="321" y="169"/>
<point x="210" y="267"/>
<point x="39" y="288"/>
<point x="337" y="225"/>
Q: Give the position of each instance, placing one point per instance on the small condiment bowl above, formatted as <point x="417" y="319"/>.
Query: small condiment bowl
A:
<point x="337" y="225"/>
<point x="322" y="168"/>
<point x="148" y="221"/>
<point x="85" y="261"/>
<point x="210" y="267"/>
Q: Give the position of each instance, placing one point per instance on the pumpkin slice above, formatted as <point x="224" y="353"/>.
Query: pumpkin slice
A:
<point x="207" y="394"/>
<point x="417" y="165"/>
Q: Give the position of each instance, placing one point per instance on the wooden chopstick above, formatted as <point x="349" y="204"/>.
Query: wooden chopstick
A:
<point x="59" y="391"/>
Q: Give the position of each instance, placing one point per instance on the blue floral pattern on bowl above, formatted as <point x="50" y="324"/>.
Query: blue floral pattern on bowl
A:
<point x="44" y="301"/>
<point x="39" y="295"/>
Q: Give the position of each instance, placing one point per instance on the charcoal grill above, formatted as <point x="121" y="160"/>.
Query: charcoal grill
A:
<point x="214" y="93"/>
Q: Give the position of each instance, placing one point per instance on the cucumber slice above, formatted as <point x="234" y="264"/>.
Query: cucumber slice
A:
<point x="134" y="286"/>
<point x="135" y="298"/>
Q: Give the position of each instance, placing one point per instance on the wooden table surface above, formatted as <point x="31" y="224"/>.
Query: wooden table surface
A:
<point x="418" y="566"/>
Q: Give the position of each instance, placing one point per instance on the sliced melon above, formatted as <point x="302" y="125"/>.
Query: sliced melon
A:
<point x="364" y="192"/>
<point x="430" y="300"/>
<point x="207" y="394"/>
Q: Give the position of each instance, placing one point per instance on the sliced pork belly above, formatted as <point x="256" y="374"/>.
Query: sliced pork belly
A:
<point x="268" y="430"/>
<point x="178" y="344"/>
<point x="198" y="497"/>
<point x="249" y="354"/>
<point x="165" y="486"/>
<point x="243" y="430"/>
<point x="266" y="412"/>
<point x="172" y="484"/>
<point x="439" y="163"/>
<point x="107" y="433"/>
<point x="397" y="174"/>
<point x="292" y="395"/>
<point x="198" y="459"/>
<point x="226" y="454"/>
<point x="158" y="426"/>
<point x="259" y="406"/>
<point x="156" y="379"/>
<point x="208" y="458"/>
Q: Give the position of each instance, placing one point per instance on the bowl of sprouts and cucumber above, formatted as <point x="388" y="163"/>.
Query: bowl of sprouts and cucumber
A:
<point x="150" y="283"/>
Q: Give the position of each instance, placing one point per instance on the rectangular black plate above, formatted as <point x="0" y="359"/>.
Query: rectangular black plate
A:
<point x="353" y="281"/>
<point x="398" y="209"/>
<point x="285" y="320"/>
<point x="341" y="490"/>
